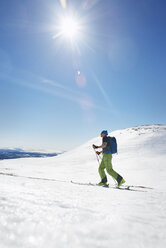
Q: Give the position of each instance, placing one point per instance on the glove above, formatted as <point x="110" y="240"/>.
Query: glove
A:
<point x="95" y="147"/>
<point x="98" y="153"/>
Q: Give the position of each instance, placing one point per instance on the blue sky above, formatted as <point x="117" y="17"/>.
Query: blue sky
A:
<point x="56" y="94"/>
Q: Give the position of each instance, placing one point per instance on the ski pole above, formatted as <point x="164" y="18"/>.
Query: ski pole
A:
<point x="97" y="157"/>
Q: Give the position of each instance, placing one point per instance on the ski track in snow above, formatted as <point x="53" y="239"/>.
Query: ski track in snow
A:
<point x="43" y="213"/>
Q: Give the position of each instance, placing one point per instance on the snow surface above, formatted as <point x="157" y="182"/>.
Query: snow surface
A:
<point x="56" y="213"/>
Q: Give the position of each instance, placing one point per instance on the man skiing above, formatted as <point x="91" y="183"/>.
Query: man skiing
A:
<point x="106" y="162"/>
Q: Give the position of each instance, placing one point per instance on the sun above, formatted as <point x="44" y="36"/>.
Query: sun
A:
<point x="69" y="27"/>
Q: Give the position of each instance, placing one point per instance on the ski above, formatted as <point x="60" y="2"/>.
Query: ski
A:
<point x="103" y="186"/>
<point x="122" y="187"/>
<point x="139" y="186"/>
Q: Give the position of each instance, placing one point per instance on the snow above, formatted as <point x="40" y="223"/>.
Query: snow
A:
<point x="56" y="213"/>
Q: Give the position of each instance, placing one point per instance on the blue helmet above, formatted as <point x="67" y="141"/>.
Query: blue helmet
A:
<point x="104" y="132"/>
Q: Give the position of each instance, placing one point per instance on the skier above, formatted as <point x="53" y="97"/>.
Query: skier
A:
<point x="106" y="162"/>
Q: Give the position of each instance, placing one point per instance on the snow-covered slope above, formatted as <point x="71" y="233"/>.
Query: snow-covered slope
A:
<point x="57" y="213"/>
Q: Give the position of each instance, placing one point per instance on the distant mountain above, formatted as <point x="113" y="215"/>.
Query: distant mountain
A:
<point x="20" y="153"/>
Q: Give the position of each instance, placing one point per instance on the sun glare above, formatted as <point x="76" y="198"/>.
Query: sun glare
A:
<point x="69" y="27"/>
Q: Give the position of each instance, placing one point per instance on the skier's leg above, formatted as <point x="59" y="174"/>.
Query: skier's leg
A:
<point x="108" y="164"/>
<point x="102" y="172"/>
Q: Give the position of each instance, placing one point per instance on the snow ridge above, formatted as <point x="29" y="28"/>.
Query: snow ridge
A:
<point x="56" y="213"/>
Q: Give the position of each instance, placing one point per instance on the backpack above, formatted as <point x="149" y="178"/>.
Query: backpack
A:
<point x="113" y="145"/>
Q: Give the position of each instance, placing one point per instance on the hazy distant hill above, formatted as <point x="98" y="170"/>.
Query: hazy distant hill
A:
<point x="19" y="153"/>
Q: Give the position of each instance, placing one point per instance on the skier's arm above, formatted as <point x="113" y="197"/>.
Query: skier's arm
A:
<point x="102" y="146"/>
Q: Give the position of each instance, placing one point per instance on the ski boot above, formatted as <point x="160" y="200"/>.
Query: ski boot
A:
<point x="121" y="182"/>
<point x="103" y="182"/>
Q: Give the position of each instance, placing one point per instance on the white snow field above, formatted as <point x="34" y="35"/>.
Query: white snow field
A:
<point x="39" y="213"/>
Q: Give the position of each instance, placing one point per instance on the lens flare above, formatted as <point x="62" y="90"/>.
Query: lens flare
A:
<point x="63" y="3"/>
<point x="80" y="79"/>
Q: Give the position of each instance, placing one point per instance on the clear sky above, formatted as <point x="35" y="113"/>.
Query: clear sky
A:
<point x="58" y="90"/>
